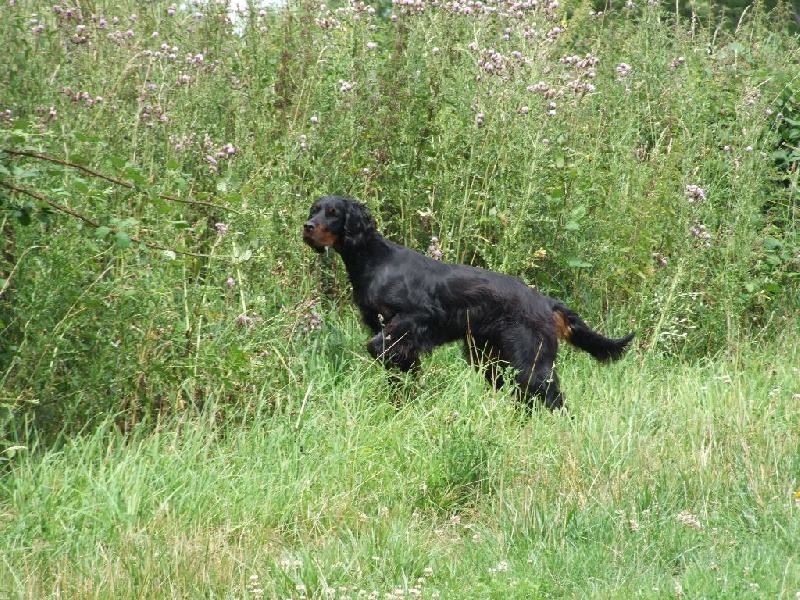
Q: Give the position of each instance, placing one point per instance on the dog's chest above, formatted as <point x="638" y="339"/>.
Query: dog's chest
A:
<point x="375" y="315"/>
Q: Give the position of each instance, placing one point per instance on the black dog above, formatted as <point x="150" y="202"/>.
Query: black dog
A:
<point x="413" y="303"/>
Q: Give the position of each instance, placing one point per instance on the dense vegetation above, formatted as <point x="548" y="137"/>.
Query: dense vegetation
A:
<point x="186" y="408"/>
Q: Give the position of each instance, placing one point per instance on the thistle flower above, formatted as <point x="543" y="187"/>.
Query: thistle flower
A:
<point x="434" y="250"/>
<point x="244" y="320"/>
<point x="700" y="231"/>
<point x="695" y="193"/>
<point x="623" y="70"/>
<point x="660" y="258"/>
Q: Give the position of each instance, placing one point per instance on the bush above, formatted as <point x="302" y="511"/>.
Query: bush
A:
<point x="153" y="181"/>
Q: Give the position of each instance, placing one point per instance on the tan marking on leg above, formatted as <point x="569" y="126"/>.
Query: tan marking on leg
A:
<point x="562" y="328"/>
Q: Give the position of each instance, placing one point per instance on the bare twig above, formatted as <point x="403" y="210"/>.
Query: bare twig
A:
<point x="89" y="221"/>
<point x="50" y="203"/>
<point x="125" y="184"/>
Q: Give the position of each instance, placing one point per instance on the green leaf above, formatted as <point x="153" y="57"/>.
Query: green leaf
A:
<point x="101" y="232"/>
<point x="122" y="240"/>
<point x="23" y="216"/>
<point x="572" y="226"/>
<point x="243" y="257"/>
<point x="117" y="162"/>
<point x="579" y="264"/>
<point x="173" y="164"/>
<point x="771" y="244"/>
<point x="579" y="211"/>
<point x="22" y="173"/>
<point x="135" y="176"/>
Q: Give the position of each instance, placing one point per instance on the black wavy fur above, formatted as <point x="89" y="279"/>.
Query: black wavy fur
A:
<point x="413" y="303"/>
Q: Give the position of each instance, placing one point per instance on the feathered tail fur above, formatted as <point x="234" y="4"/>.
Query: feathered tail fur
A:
<point x="575" y="330"/>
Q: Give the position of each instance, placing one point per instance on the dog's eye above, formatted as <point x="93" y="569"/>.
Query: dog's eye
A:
<point x="331" y="212"/>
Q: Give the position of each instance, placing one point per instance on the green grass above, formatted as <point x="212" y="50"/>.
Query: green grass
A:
<point x="666" y="477"/>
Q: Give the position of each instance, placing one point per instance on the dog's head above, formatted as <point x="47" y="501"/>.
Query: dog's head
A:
<point x="337" y="223"/>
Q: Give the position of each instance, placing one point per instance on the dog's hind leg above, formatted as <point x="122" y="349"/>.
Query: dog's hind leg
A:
<point x="540" y="382"/>
<point x="533" y="356"/>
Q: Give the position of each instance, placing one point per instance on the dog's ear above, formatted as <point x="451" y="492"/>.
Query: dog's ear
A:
<point x="358" y="223"/>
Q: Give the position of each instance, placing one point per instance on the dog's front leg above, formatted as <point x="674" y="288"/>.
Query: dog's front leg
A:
<point x="394" y="346"/>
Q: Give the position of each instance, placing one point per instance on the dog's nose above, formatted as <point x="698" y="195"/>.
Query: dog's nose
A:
<point x="308" y="226"/>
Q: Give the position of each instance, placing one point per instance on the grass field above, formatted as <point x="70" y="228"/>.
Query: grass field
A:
<point x="665" y="480"/>
<point x="187" y="409"/>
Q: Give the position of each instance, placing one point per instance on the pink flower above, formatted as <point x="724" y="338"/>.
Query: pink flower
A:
<point x="695" y="193"/>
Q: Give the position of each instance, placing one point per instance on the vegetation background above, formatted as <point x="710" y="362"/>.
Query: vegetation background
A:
<point x="186" y="408"/>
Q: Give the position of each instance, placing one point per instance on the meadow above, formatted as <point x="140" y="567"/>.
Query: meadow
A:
<point x="187" y="408"/>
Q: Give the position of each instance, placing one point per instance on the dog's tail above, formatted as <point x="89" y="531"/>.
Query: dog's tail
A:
<point x="572" y="328"/>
